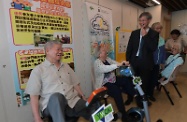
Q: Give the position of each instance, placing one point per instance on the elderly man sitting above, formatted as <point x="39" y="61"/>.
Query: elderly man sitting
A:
<point x="58" y="88"/>
<point x="172" y="61"/>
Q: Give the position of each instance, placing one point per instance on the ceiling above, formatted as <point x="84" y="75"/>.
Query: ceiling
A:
<point x="172" y="5"/>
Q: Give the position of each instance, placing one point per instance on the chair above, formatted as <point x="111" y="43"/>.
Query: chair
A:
<point x="171" y="80"/>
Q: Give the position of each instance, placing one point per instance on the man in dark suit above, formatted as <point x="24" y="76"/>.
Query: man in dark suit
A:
<point x="142" y="43"/>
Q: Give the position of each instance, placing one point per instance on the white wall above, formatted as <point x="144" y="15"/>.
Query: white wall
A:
<point x="81" y="46"/>
<point x="156" y="13"/>
<point x="2" y="80"/>
<point x="178" y="19"/>
<point x="166" y="22"/>
<point x="130" y="16"/>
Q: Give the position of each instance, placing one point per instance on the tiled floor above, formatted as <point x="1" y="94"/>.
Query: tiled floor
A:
<point x="162" y="109"/>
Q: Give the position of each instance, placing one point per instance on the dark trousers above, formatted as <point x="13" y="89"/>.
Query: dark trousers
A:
<point x="126" y="85"/>
<point x="115" y="91"/>
<point x="144" y="73"/>
<point x="59" y="110"/>
<point x="154" y="79"/>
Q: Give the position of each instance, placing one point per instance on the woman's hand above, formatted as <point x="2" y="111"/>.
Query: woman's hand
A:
<point x="126" y="63"/>
<point x="120" y="64"/>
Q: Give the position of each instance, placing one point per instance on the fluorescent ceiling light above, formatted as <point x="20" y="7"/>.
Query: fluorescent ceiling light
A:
<point x="156" y="1"/>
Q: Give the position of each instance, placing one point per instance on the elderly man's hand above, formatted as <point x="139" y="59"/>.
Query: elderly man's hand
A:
<point x="39" y="120"/>
<point x="83" y="97"/>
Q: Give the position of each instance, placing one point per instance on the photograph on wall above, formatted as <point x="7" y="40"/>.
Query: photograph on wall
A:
<point x="41" y="39"/>
<point x="101" y="33"/>
<point x="64" y="37"/>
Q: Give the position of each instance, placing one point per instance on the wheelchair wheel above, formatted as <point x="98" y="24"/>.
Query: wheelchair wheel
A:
<point x="136" y="114"/>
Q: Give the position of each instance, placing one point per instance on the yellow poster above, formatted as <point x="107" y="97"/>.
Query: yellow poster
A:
<point x="67" y="55"/>
<point x="31" y="28"/>
<point x="27" y="59"/>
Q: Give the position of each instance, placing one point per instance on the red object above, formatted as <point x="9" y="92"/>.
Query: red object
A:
<point x="96" y="95"/>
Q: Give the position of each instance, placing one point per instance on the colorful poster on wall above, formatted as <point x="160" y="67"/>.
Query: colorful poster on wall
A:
<point x="26" y="60"/>
<point x="33" y="23"/>
<point x="100" y="21"/>
<point x="31" y="28"/>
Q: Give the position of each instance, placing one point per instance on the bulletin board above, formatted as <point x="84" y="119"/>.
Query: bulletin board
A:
<point x="122" y="38"/>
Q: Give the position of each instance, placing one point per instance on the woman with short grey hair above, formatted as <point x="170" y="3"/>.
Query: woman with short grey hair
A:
<point x="104" y="68"/>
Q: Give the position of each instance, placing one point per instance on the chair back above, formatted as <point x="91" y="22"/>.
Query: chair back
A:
<point x="174" y="73"/>
<point x="172" y="77"/>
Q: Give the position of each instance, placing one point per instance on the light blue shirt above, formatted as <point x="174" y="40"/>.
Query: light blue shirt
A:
<point x="169" y="69"/>
<point x="161" y="41"/>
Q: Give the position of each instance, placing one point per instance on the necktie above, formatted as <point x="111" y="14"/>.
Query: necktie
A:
<point x="140" y="47"/>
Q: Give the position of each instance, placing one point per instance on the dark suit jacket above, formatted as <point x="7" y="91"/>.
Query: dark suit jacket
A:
<point x="149" y="46"/>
